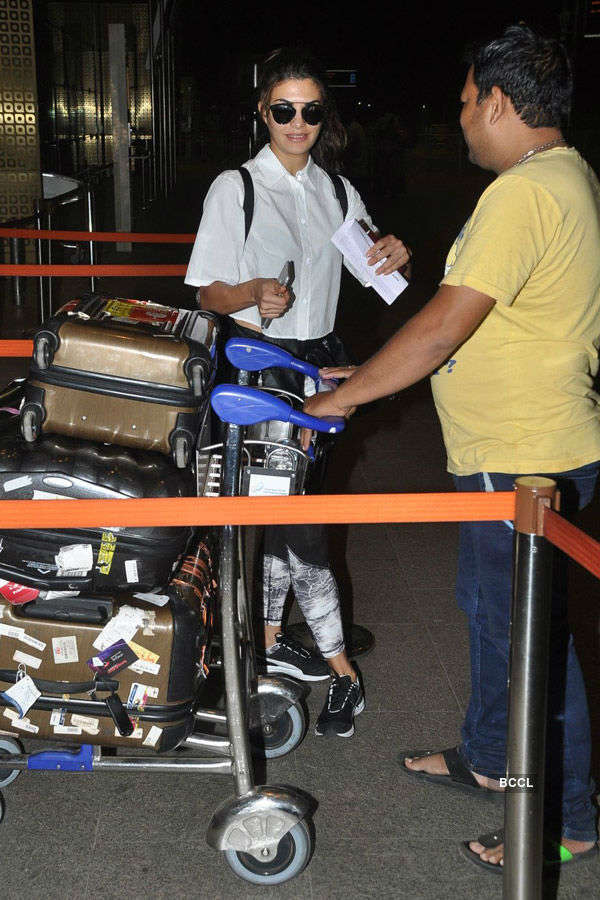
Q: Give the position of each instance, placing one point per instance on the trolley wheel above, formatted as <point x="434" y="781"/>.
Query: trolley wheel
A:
<point x="1" y="807"/>
<point x="8" y="747"/>
<point x="30" y="424"/>
<point x="181" y="451"/>
<point x="278" y="737"/>
<point x="291" y="857"/>
<point x="43" y="352"/>
<point x="197" y="381"/>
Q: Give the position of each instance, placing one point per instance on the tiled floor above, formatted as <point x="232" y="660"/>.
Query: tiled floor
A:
<point x="378" y="834"/>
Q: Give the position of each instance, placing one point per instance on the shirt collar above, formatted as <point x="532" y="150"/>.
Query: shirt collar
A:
<point x="272" y="169"/>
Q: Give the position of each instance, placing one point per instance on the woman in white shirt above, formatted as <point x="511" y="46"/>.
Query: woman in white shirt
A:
<point x="297" y="207"/>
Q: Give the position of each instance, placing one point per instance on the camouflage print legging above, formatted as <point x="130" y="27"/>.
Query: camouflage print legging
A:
<point x="296" y="556"/>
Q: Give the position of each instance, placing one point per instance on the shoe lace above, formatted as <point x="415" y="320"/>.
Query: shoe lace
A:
<point x="339" y="691"/>
<point x="293" y="646"/>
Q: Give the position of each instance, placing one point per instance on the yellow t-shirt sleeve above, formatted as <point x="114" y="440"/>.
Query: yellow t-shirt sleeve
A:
<point x="504" y="240"/>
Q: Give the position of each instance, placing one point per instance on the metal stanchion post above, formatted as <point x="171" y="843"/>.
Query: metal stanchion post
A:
<point x="90" y="224"/>
<point x="39" y="260"/>
<point x="17" y="281"/>
<point x="528" y="692"/>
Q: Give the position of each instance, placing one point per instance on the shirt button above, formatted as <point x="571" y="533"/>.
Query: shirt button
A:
<point x="303" y="221"/>
<point x="308" y="260"/>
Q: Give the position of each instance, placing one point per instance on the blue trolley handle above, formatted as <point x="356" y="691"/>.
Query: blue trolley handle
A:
<point x="252" y="355"/>
<point x="240" y="405"/>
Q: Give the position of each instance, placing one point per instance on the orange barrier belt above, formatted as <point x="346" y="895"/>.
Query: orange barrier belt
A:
<point x="16" y="348"/>
<point x="125" y="237"/>
<point x="85" y="271"/>
<point x="339" y="508"/>
<point x="572" y="541"/>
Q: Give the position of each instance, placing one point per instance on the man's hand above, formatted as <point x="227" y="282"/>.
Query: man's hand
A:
<point x="390" y="251"/>
<point x="271" y="298"/>
<point x="320" y="405"/>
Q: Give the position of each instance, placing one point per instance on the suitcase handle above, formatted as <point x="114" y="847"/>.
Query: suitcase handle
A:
<point x="95" y="611"/>
<point x="248" y="406"/>
<point x="64" y="687"/>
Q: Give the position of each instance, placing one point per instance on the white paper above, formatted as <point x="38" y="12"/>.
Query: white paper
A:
<point x="51" y="595"/>
<point x="15" y="483"/>
<point x="66" y="729"/>
<point x="25" y="725"/>
<point x="143" y="667"/>
<point x="137" y="733"/>
<point x="131" y="571"/>
<point x="74" y="557"/>
<point x="24" y="693"/>
<point x="353" y="241"/>
<point x="152" y="737"/>
<point x="123" y="626"/>
<point x="32" y="642"/>
<point x="64" y="649"/>
<point x="156" y="599"/>
<point x="26" y="659"/>
<point x="58" y="716"/>
<point x="11" y="714"/>
<point x="268" y="485"/>
<point x="11" y="631"/>
<point x="86" y="723"/>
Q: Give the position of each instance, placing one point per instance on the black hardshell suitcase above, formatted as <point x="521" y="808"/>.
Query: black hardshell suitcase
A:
<point x="146" y="698"/>
<point x="126" y="372"/>
<point x="113" y="558"/>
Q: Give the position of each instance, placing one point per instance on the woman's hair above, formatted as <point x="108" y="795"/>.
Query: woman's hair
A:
<point x="290" y="63"/>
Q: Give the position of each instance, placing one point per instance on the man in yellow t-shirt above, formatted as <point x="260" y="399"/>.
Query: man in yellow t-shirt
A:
<point x="511" y="337"/>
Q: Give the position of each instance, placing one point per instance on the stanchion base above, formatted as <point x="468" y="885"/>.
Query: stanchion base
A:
<point x="359" y="640"/>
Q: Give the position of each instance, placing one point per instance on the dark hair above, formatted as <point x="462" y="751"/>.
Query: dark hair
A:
<point x="533" y="70"/>
<point x="297" y="63"/>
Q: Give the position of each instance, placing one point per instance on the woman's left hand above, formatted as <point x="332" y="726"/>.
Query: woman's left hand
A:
<point x="390" y="251"/>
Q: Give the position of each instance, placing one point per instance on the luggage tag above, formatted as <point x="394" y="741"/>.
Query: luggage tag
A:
<point x="23" y="694"/>
<point x="116" y="657"/>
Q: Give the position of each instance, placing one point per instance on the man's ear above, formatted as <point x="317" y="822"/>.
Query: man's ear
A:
<point x="262" y="113"/>
<point x="497" y="105"/>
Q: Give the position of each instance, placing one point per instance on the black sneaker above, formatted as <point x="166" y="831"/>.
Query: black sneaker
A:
<point x="344" y="701"/>
<point x="289" y="657"/>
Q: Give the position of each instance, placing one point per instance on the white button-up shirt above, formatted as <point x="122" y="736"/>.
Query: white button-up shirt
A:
<point x="294" y="219"/>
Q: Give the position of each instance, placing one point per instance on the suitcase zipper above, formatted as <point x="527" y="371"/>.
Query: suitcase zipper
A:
<point x="108" y="385"/>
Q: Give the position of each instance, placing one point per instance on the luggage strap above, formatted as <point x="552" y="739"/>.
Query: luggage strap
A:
<point x="248" y="205"/>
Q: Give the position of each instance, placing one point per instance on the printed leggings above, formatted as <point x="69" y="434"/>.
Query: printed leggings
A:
<point x="296" y="556"/>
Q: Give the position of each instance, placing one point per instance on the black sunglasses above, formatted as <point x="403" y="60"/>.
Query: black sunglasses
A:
<point x="312" y="113"/>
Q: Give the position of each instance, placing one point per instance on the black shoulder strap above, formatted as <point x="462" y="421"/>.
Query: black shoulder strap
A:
<point x="340" y="193"/>
<point x="248" y="199"/>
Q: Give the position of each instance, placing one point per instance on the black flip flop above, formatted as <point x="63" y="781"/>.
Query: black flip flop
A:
<point x="460" y="777"/>
<point x="555" y="854"/>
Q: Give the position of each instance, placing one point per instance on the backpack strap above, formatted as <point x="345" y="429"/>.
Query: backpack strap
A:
<point x="340" y="192"/>
<point x="248" y="205"/>
<point x="248" y="199"/>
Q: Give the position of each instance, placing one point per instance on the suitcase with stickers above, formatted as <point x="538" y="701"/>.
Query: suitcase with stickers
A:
<point x="126" y="372"/>
<point x="102" y="559"/>
<point x="111" y="670"/>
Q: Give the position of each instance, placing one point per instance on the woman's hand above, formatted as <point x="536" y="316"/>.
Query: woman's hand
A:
<point x="271" y="298"/>
<point x="390" y="251"/>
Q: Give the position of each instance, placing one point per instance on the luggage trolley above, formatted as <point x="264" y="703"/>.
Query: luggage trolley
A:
<point x="263" y="830"/>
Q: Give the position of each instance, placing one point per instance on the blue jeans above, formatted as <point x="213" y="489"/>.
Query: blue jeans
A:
<point x="484" y="591"/>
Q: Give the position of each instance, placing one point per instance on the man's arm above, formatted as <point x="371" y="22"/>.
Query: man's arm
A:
<point x="418" y="348"/>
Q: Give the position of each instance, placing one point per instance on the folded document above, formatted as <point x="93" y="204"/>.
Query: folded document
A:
<point x="353" y="241"/>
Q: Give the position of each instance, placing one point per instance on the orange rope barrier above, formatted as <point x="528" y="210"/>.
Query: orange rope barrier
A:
<point x="572" y="541"/>
<point x="16" y="348"/>
<point x="330" y="508"/>
<point x="126" y="237"/>
<point x="85" y="271"/>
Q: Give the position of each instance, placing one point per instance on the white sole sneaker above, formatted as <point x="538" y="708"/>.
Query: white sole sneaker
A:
<point x="346" y="734"/>
<point x="284" y="668"/>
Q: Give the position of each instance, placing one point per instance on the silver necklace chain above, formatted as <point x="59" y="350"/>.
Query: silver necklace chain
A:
<point x="539" y="149"/>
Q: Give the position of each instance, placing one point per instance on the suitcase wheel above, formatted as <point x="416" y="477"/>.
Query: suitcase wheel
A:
<point x="31" y="421"/>
<point x="181" y="451"/>
<point x="8" y="747"/>
<point x="43" y="351"/>
<point x="196" y="378"/>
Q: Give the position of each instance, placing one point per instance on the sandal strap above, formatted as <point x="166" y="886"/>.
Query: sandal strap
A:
<point x="457" y="769"/>
<point x="492" y="839"/>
